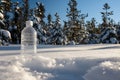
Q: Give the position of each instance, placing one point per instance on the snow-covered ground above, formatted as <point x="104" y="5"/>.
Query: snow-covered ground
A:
<point x="80" y="62"/>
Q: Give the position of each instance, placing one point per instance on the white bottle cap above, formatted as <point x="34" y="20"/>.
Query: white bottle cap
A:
<point x="29" y="23"/>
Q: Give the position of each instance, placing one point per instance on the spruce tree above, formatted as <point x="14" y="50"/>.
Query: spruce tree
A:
<point x="26" y="9"/>
<point x="40" y="12"/>
<point x="118" y="30"/>
<point x="15" y="24"/>
<point x="40" y="24"/>
<point x="108" y="31"/>
<point x="6" y="6"/>
<point x="50" y="25"/>
<point x="75" y="23"/>
<point x="105" y="15"/>
<point x="93" y="31"/>
<point x="5" y="35"/>
<point x="57" y="37"/>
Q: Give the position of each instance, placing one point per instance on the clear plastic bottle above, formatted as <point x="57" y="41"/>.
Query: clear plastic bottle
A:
<point x="28" y="40"/>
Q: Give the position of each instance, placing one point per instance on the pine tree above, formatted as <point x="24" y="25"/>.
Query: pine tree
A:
<point x="40" y="12"/>
<point x="16" y="23"/>
<point x="49" y="27"/>
<point x="108" y="31"/>
<point x="66" y="29"/>
<point x="57" y="37"/>
<point x="50" y="23"/>
<point x="40" y="24"/>
<point x="76" y="23"/>
<point x="5" y="35"/>
<point x="105" y="15"/>
<point x="118" y="30"/>
<point x="93" y="31"/>
<point x="91" y="26"/>
<point x="49" y="18"/>
<point x="20" y="13"/>
<point x="73" y="15"/>
<point x="6" y="6"/>
<point x="26" y="9"/>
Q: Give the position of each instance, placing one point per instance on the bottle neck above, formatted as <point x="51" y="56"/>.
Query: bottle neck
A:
<point x="28" y="26"/>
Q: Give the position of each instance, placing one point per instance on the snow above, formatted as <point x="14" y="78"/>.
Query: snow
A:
<point x="1" y="15"/>
<point x="5" y="33"/>
<point x="70" y="62"/>
<point x="109" y="35"/>
<point x="105" y="71"/>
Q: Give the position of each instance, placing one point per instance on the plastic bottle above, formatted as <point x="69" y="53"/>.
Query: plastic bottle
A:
<point x="28" y="40"/>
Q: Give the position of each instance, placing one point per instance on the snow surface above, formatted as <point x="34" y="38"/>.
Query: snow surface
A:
<point x="72" y="62"/>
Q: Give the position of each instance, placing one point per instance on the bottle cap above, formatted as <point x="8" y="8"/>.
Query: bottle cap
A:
<point x="29" y="23"/>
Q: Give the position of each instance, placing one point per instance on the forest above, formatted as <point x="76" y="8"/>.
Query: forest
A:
<point x="76" y="30"/>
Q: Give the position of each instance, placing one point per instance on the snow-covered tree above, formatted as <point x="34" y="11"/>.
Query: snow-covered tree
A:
<point x="57" y="36"/>
<point x="105" y="15"/>
<point x="109" y="35"/>
<point x="75" y="23"/>
<point x="39" y="23"/>
<point x="5" y="35"/>
<point x="41" y="33"/>
<point x="40" y="12"/>
<point x="20" y="11"/>
<point x="118" y="31"/>
<point x="16" y="23"/>
<point x="93" y="31"/>
<point x="6" y="7"/>
<point x="50" y="25"/>
<point x="11" y="12"/>
<point x="73" y="19"/>
<point x="26" y="9"/>
<point x="108" y="31"/>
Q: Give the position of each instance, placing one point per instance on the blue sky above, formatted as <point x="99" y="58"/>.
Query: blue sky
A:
<point x="92" y="7"/>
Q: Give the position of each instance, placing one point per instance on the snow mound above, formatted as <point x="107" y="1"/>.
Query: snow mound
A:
<point x="9" y="71"/>
<point x="39" y="63"/>
<point x="105" y="71"/>
<point x="51" y="69"/>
